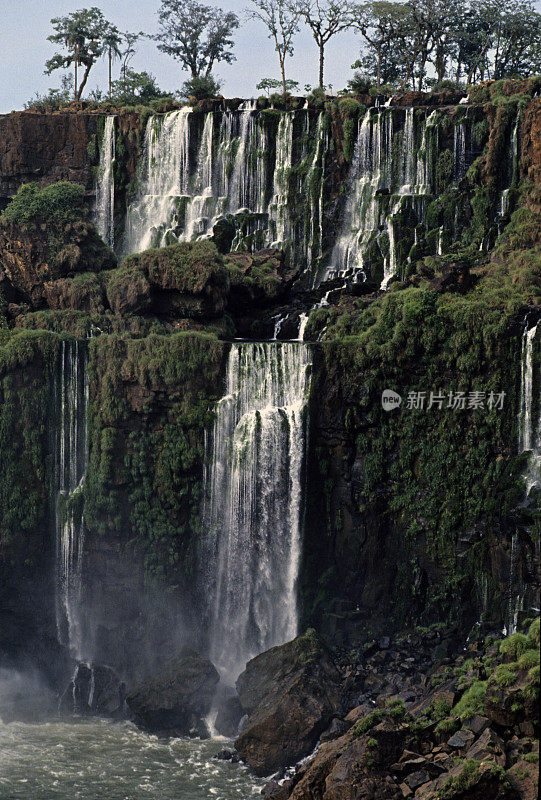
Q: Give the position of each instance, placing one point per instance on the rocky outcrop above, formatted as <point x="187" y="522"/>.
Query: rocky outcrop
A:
<point x="94" y="689"/>
<point x="41" y="273"/>
<point x="290" y="694"/>
<point x="434" y="743"/>
<point x="45" y="148"/>
<point x="174" y="701"/>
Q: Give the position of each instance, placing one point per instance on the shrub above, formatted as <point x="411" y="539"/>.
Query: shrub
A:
<point x="359" y="84"/>
<point x="201" y="88"/>
<point x="471" y="701"/>
<point x="505" y="675"/>
<point x="529" y="659"/>
<point x="514" y="646"/>
<point x="533" y="631"/>
<point x="58" y="203"/>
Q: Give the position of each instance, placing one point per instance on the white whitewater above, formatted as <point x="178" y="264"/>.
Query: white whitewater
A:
<point x="105" y="187"/>
<point x="189" y="178"/>
<point x="529" y="441"/>
<point x="529" y="429"/>
<point x="252" y="508"/>
<point x="71" y="461"/>
<point x="380" y="186"/>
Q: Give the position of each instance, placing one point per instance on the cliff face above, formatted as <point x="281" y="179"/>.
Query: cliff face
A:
<point x="410" y="514"/>
<point x="44" y="148"/>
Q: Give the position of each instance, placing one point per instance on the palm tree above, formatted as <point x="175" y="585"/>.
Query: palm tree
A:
<point x="112" y="40"/>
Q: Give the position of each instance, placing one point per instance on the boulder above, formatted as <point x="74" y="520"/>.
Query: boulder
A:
<point x="94" y="689"/>
<point x="174" y="700"/>
<point x="291" y="694"/>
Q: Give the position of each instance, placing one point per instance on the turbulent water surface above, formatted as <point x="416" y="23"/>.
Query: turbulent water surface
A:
<point x="102" y="760"/>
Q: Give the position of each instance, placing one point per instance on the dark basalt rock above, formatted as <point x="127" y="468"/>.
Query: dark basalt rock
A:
<point x="290" y="694"/>
<point x="229" y="715"/>
<point x="174" y="701"/>
<point x="95" y="689"/>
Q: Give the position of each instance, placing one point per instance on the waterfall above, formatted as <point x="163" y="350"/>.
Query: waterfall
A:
<point x="279" y="205"/>
<point x="244" y="168"/>
<point x="529" y="441"/>
<point x="252" y="509"/>
<point x="104" y="209"/>
<point x="71" y="459"/>
<point x="380" y="185"/>
<point x="163" y="181"/>
<point x="529" y="431"/>
<point x="459" y="147"/>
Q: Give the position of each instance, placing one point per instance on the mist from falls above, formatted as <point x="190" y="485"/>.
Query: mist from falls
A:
<point x="253" y="502"/>
<point x="70" y="392"/>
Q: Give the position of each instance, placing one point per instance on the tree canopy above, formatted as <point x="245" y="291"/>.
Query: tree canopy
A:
<point x="197" y="35"/>
<point x="83" y="36"/>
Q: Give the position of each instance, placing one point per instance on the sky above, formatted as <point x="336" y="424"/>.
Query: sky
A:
<point x="24" y="49"/>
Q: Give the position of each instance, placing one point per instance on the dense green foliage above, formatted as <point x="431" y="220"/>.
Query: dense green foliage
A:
<point x="56" y="204"/>
<point x="151" y="402"/>
<point x="27" y="359"/>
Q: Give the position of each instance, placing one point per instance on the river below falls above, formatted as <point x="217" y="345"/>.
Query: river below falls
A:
<point x="103" y="760"/>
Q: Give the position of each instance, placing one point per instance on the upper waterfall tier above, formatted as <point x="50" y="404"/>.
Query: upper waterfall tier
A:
<point x="105" y="187"/>
<point x="232" y="168"/>
<point x="347" y="192"/>
<point x="253" y="507"/>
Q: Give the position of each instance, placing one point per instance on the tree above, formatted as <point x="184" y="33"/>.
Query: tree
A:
<point x="82" y="36"/>
<point x="198" y="36"/>
<point x="382" y="25"/>
<point x="136" y="87"/>
<point x="325" y="18"/>
<point x="270" y="85"/>
<point x="127" y="52"/>
<point x="112" y="41"/>
<point x="282" y="21"/>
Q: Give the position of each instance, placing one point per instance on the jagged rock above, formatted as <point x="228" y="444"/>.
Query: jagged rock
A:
<point x="416" y="779"/>
<point x="524" y="779"/>
<point x="227" y="755"/>
<point x="461" y="739"/>
<point x="128" y="291"/>
<point x="228" y="717"/>
<point x="94" y="689"/>
<point x="177" y="697"/>
<point x="477" y="724"/>
<point x="489" y="747"/>
<point x="29" y="260"/>
<point x="290" y="694"/>
<point x="337" y="728"/>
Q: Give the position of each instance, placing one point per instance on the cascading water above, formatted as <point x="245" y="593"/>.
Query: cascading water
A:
<point x="234" y="167"/>
<point x="529" y="433"/>
<point x="253" y="508"/>
<point x="105" y="187"/>
<point x="381" y="185"/>
<point x="71" y="459"/>
<point x="529" y="441"/>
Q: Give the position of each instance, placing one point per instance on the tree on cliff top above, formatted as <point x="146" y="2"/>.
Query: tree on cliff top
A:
<point x="84" y="34"/>
<point x="325" y="18"/>
<point x="281" y="19"/>
<point x="197" y="35"/>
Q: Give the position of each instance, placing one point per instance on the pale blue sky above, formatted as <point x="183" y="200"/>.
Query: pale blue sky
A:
<point x="25" y="25"/>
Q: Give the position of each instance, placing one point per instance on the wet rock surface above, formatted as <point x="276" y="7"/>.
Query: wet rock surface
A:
<point x="289" y="694"/>
<point x="423" y="731"/>
<point x="174" y="701"/>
